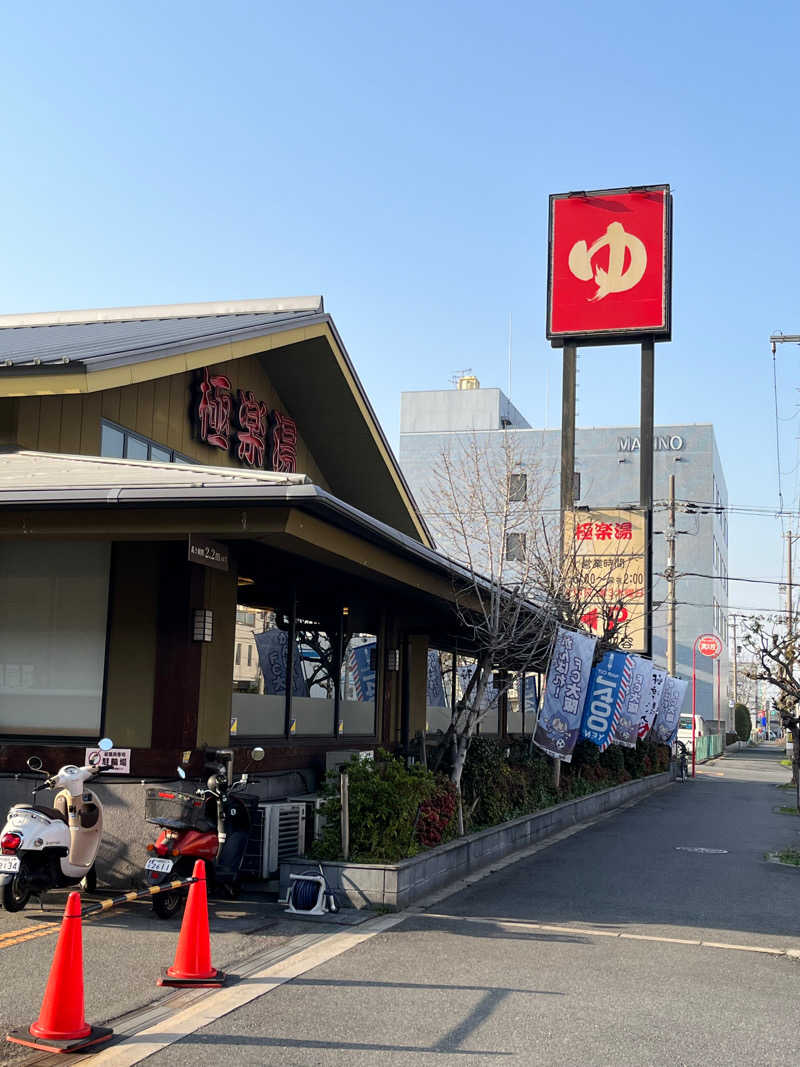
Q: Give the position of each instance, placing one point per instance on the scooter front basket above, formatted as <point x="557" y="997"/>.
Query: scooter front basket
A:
<point x="177" y="811"/>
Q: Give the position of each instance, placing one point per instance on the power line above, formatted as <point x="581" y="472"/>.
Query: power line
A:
<point x="728" y="578"/>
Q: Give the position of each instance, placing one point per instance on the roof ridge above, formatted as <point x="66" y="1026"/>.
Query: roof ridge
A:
<point x="203" y="309"/>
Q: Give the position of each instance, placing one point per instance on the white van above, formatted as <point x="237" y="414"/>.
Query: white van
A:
<point x="685" y="729"/>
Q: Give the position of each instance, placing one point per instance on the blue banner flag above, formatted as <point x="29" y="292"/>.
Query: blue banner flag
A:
<point x="608" y="690"/>
<point x="626" y="731"/>
<point x="361" y="670"/>
<point x="436" y="696"/>
<point x="670" y="712"/>
<point x="559" y="720"/>
<point x="273" y="656"/>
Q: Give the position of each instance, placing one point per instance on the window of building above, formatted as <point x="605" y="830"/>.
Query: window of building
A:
<point x="358" y="685"/>
<point x="118" y="443"/>
<point x="518" y="487"/>
<point x="438" y="714"/>
<point x="333" y="676"/>
<point x="515" y="547"/>
<point x="53" y="614"/>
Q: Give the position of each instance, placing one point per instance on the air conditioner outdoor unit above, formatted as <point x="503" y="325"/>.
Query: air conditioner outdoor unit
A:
<point x="284" y="834"/>
<point x="313" y="802"/>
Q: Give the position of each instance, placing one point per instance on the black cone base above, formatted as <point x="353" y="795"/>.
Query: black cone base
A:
<point x="95" y="1036"/>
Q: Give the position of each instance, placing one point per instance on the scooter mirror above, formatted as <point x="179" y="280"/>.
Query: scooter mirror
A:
<point x="181" y="772"/>
<point x="257" y="754"/>
<point x="34" y="763"/>
<point x="105" y="744"/>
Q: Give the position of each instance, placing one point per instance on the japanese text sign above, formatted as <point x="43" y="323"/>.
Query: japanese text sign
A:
<point x="114" y="761"/>
<point x="666" y="726"/>
<point x="606" y="573"/>
<point x="651" y="707"/>
<point x="565" y="693"/>
<point x="243" y="425"/>
<point x="709" y="645"/>
<point x="609" y="270"/>
<point x="626" y="730"/>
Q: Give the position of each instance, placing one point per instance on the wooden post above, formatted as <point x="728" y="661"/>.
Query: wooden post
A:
<point x="344" y="797"/>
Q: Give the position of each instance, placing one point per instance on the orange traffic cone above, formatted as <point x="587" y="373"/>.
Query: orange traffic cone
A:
<point x="61" y="1026"/>
<point x="192" y="966"/>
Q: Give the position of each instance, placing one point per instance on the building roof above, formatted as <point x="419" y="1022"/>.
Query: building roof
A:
<point x="56" y="353"/>
<point x="35" y="477"/>
<point x="99" y="339"/>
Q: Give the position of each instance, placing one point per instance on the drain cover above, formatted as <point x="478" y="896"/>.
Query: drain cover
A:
<point x="710" y="851"/>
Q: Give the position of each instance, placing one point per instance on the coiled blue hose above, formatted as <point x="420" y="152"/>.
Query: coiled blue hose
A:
<point x="304" y="895"/>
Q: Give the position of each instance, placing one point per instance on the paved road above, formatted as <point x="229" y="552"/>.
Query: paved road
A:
<point x="443" y="988"/>
<point x="541" y="962"/>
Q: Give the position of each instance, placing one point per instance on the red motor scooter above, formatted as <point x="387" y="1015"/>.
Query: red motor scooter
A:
<point x="211" y="824"/>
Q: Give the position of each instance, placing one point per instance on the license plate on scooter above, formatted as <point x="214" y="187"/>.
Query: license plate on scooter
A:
<point x="165" y="866"/>
<point x="9" y="864"/>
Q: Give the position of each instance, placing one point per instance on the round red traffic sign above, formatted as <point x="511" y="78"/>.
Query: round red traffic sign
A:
<point x="709" y="645"/>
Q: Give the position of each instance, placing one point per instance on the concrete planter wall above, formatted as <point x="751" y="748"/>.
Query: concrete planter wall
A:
<point x="397" y="885"/>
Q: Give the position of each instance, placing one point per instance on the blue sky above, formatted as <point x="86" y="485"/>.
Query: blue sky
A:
<point x="398" y="160"/>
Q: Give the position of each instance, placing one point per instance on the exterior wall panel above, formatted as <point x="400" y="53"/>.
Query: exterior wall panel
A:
<point x="130" y="679"/>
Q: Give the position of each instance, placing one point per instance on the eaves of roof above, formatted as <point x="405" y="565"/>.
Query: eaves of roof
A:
<point x="307" y="497"/>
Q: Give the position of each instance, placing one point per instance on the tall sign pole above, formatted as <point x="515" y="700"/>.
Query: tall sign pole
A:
<point x="568" y="434"/>
<point x="609" y="282"/>
<point x="646" y="476"/>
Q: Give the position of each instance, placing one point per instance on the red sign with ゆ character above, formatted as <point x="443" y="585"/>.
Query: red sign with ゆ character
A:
<point x="609" y="269"/>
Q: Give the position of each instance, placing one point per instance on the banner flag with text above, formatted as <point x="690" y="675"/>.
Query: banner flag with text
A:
<point x="669" y="714"/>
<point x="608" y="691"/>
<point x="627" y="729"/>
<point x="559" y="720"/>
<point x="650" y="711"/>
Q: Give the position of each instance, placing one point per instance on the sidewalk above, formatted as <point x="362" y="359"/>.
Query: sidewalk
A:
<point x="501" y="966"/>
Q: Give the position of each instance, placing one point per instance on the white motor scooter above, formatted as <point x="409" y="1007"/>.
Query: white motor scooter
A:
<point x="43" y="848"/>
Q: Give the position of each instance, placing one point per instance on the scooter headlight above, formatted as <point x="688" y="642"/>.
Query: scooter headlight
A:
<point x="9" y="843"/>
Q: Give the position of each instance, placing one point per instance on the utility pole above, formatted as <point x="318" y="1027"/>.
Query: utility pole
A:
<point x="790" y="663"/>
<point x="671" y="579"/>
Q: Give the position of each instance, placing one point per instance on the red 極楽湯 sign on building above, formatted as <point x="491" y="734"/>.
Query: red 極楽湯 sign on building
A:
<point x="243" y="425"/>
<point x="609" y="266"/>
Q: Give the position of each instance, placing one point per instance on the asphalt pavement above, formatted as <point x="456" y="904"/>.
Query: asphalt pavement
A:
<point x="658" y="934"/>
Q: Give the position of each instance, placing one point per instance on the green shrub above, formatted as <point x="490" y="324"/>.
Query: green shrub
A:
<point x="385" y="799"/>
<point x="613" y="760"/>
<point x="741" y="718"/>
<point x="484" y="786"/>
<point x="397" y="811"/>
<point x="586" y="754"/>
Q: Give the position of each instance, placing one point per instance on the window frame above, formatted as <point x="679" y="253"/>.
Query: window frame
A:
<point x="148" y="442"/>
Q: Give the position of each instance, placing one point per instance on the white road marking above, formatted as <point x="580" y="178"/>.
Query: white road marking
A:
<point x="591" y="931"/>
<point x="147" y="1042"/>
